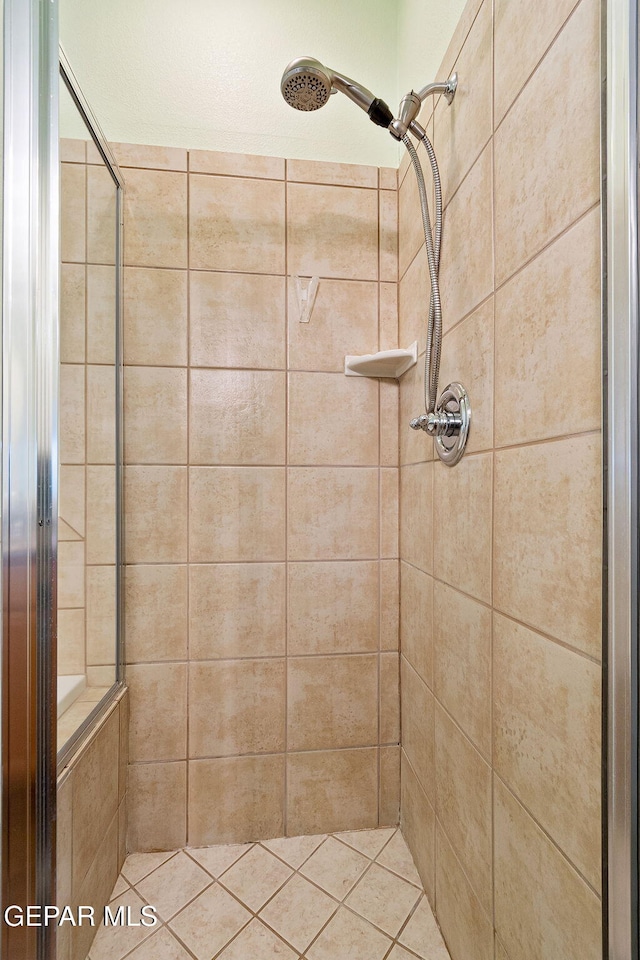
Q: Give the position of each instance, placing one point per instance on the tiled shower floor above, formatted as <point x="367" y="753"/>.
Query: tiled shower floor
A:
<point x="347" y="896"/>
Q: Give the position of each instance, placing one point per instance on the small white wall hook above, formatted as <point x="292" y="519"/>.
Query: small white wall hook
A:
<point x="306" y="288"/>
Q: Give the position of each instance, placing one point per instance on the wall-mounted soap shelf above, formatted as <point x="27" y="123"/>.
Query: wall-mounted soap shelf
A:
<point x="389" y="364"/>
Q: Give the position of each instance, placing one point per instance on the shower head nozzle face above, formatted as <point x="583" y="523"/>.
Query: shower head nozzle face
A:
<point x="306" y="85"/>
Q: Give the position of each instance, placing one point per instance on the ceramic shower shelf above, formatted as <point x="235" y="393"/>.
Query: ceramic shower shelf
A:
<point x="390" y="364"/>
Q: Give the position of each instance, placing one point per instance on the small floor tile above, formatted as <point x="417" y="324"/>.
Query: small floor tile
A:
<point x="160" y="946"/>
<point x="173" y="885"/>
<point x="384" y="899"/>
<point x="369" y="842"/>
<point x="216" y="860"/>
<point x="422" y="935"/>
<point x="137" y="866"/>
<point x="257" y="942"/>
<point x="294" y="850"/>
<point x="256" y="877"/>
<point x="210" y="922"/>
<point x="335" y="867"/>
<point x="115" y="942"/>
<point x="347" y="935"/>
<point x="396" y="856"/>
<point x="298" y="912"/>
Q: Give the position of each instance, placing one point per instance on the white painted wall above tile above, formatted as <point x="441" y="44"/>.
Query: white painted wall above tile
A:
<point x="207" y="75"/>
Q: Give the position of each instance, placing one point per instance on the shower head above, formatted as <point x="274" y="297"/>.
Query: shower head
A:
<point x="306" y="85"/>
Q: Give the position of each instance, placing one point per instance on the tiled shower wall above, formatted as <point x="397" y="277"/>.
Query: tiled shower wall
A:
<point x="501" y="555"/>
<point x="86" y="529"/>
<point x="261" y="498"/>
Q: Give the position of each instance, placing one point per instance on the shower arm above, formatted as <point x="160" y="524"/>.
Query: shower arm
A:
<point x="409" y="108"/>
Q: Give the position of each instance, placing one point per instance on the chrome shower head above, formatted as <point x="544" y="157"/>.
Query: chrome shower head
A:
<point x="306" y="85"/>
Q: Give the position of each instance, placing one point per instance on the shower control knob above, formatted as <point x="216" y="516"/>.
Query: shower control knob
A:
<point x="420" y="423"/>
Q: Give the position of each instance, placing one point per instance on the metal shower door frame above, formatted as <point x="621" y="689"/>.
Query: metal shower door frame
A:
<point x="621" y="341"/>
<point x="30" y="257"/>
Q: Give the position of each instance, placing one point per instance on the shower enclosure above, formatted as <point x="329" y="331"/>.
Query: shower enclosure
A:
<point x="50" y="531"/>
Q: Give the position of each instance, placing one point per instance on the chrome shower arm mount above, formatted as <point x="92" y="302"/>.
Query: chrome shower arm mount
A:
<point x="410" y="105"/>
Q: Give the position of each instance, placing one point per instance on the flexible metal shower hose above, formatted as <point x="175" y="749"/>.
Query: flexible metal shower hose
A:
<point x="434" y="326"/>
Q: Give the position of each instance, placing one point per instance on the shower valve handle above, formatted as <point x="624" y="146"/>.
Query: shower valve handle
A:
<point x="441" y="424"/>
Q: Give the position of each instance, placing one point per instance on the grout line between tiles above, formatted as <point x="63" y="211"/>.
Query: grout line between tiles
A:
<point x="188" y="509"/>
<point x="287" y="427"/>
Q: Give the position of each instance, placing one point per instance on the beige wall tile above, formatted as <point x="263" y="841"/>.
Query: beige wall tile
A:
<point x="249" y="715"/>
<point x="236" y="514"/>
<point x="101" y="514"/>
<point x="388" y="235"/>
<point x="332" y="513"/>
<point x="389" y="698"/>
<point x="543" y="908"/>
<point x="416" y="520"/>
<point x="467" y="357"/>
<point x="156" y="499"/>
<point x="388" y="178"/>
<point x="72" y="150"/>
<point x="337" y="174"/>
<point x="157" y="806"/>
<point x="389" y="794"/>
<point x="344" y="321"/>
<point x="155" y="415"/>
<point x="463" y="804"/>
<point x="413" y="300"/>
<point x="548" y="522"/>
<point x="237" y="320"/>
<point x="72" y="413"/>
<point x="415" y="445"/>
<point x="236" y="164"/>
<point x="102" y="215"/>
<point x="333" y="607"/>
<point x="523" y="33"/>
<point x="237" y="610"/>
<point x="333" y="419"/>
<point x="333" y="790"/>
<point x="548" y="334"/>
<point x="101" y="414"/>
<point x="332" y="702"/>
<point x="462" y="662"/>
<point x="101" y="616"/>
<point x="64" y="841"/>
<point x="323" y="223"/>
<point x="101" y="313"/>
<point x="72" y="312"/>
<point x="156" y="216"/>
<point x="418" y="727"/>
<point x="71" y="561"/>
<point x="73" y="204"/>
<point x="95" y="796"/>
<point x="547" y="738"/>
<point x="389" y="415"/>
<point x="158" y="705"/>
<point x="410" y="231"/>
<point x="389" y="511"/>
<point x="124" y="749"/>
<point x="236" y="224"/>
<point x="71" y="497"/>
<point x="466" y="271"/>
<point x="418" y="823"/>
<point x="389" y="604"/>
<point x="96" y="887"/>
<point x="464" y="24"/>
<point x="416" y="621"/>
<point x="462" y="536"/>
<point x="530" y="207"/>
<point x="70" y="639"/>
<point x="388" y="318"/>
<point x="157" y="158"/>
<point x="155" y="608"/>
<point x="237" y="417"/>
<point x="463" y="128"/>
<point x="155" y="317"/>
<point x="467" y="929"/>
<point x="257" y="787"/>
